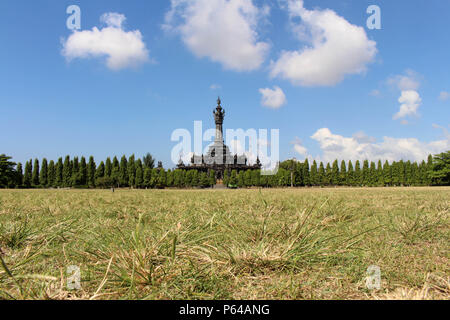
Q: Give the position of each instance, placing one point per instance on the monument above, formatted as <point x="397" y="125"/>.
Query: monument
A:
<point x="219" y="157"/>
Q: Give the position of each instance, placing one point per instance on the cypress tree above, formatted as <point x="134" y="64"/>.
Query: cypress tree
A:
<point x="233" y="178"/>
<point x="67" y="172"/>
<point x="314" y="175"/>
<point x="59" y="173"/>
<point x="248" y="178"/>
<point x="343" y="174"/>
<point x="365" y="179"/>
<point x="226" y="178"/>
<point x="415" y="174"/>
<point x="306" y="173"/>
<point x="19" y="175"/>
<point x="350" y="174"/>
<point x="100" y="172"/>
<point x="91" y="168"/>
<point x="83" y="172"/>
<point x="108" y="167"/>
<point x="240" y="176"/>
<point x="131" y="171"/>
<point x="321" y="175"/>
<point x="372" y="175"/>
<point x="75" y="166"/>
<point x="408" y="173"/>
<point x="51" y="174"/>
<point x="147" y="177"/>
<point x="140" y="174"/>
<point x="328" y="174"/>
<point x="7" y="172"/>
<point x="27" y="174"/>
<point x="123" y="172"/>
<point x="401" y="172"/>
<point x="357" y="176"/>
<point x="115" y="173"/>
<point x="380" y="176"/>
<point x="255" y="177"/>
<point x="387" y="174"/>
<point x="212" y="178"/>
<point x="35" y="175"/>
<point x="335" y="173"/>
<point x="43" y="177"/>
<point x="429" y="171"/>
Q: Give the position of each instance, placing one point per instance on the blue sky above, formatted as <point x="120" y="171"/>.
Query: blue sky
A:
<point x="65" y="92"/>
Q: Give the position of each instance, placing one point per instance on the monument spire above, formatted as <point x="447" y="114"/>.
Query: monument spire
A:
<point x="219" y="115"/>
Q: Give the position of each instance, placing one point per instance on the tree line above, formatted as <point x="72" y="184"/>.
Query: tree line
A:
<point x="142" y="173"/>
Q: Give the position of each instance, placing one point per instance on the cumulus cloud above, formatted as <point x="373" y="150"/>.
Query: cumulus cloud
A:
<point x="410" y="80"/>
<point x="299" y="148"/>
<point x="336" y="48"/>
<point x="444" y="95"/>
<point x="121" y="48"/>
<point x="335" y="146"/>
<point x="224" y="31"/>
<point x="273" y="98"/>
<point x="410" y="101"/>
<point x="215" y="86"/>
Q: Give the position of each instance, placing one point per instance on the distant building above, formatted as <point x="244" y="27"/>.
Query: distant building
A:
<point x="219" y="157"/>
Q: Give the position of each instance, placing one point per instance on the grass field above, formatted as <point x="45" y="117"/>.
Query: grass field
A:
<point x="225" y="244"/>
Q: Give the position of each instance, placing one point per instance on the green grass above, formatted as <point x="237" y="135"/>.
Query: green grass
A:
<point x="225" y="244"/>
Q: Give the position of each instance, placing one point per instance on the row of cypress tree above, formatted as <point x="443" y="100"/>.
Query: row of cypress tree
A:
<point x="137" y="173"/>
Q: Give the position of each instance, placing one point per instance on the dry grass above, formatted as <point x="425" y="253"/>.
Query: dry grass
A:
<point x="225" y="244"/>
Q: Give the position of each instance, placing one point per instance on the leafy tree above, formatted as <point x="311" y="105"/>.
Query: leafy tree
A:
<point x="195" y="179"/>
<point x="226" y="178"/>
<point x="240" y="178"/>
<point x="440" y="169"/>
<point x="149" y="161"/>
<point x="43" y="177"/>
<point x="169" y="178"/>
<point x="35" y="176"/>
<point x="7" y="172"/>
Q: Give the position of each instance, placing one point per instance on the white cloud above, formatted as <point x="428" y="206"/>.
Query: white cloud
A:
<point x="215" y="86"/>
<point x="121" y="48"/>
<point x="335" y="146"/>
<point x="410" y="80"/>
<point x="375" y="93"/>
<point x="337" y="48"/>
<point x="222" y="30"/>
<point x="273" y="98"/>
<point x="444" y="95"/>
<point x="410" y="101"/>
<point x="299" y="148"/>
